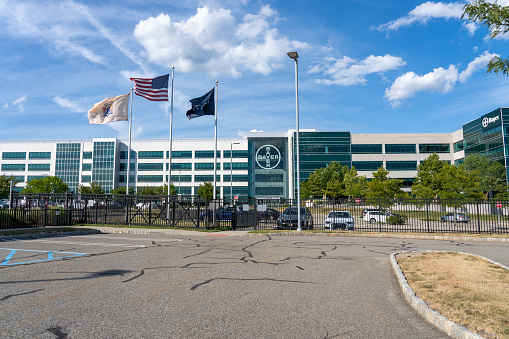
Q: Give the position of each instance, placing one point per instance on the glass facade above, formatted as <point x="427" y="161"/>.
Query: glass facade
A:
<point x="38" y="167"/>
<point x="150" y="155"/>
<point x="367" y="149"/>
<point x="14" y="155"/>
<point x="206" y="154"/>
<point x="67" y="166"/>
<point x="268" y="168"/>
<point x="434" y="148"/>
<point x="319" y="149"/>
<point x="367" y="165"/>
<point x="103" y="169"/>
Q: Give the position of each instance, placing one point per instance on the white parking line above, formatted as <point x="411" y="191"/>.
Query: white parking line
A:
<point x="79" y="243"/>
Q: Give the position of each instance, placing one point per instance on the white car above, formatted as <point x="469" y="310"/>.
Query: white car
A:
<point x="375" y="216"/>
<point x="339" y="220"/>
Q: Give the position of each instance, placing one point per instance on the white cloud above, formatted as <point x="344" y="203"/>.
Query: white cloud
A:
<point x="424" y="13"/>
<point x="471" y="27"/>
<point x="213" y="41"/>
<point x="71" y="105"/>
<point x="19" y="103"/>
<point x="439" y="80"/>
<point x="6" y="105"/>
<point x="347" y="71"/>
<point x="478" y="63"/>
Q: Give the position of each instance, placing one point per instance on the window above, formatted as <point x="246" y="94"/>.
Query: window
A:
<point x="86" y="167"/>
<point x="86" y="178"/>
<point x="236" y="178"/>
<point x="401" y="165"/>
<point x="180" y="154"/>
<point x="269" y="178"/>
<point x="180" y="178"/>
<point x="400" y="148"/>
<point x="204" y="166"/>
<point x="206" y="178"/>
<point x="150" y="178"/>
<point x="13" y="167"/>
<point x="367" y="165"/>
<point x="87" y="155"/>
<point x="123" y="155"/>
<point x="236" y="154"/>
<point x="459" y="146"/>
<point x="123" y="166"/>
<point x="264" y="191"/>
<point x="38" y="167"/>
<point x="14" y="155"/>
<point x="236" y="166"/>
<point x="206" y="154"/>
<point x="367" y="149"/>
<point x="180" y="166"/>
<point x="123" y="178"/>
<point x="150" y="167"/>
<point x="434" y="148"/>
<point x="39" y="155"/>
<point x="150" y="155"/>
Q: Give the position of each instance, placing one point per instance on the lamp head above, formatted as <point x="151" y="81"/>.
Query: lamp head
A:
<point x="293" y="55"/>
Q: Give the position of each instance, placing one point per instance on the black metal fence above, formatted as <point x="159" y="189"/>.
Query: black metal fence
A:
<point x="412" y="215"/>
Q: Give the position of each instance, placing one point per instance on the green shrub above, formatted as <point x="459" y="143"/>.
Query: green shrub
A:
<point x="397" y="219"/>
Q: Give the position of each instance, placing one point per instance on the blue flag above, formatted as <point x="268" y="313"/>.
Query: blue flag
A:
<point x="201" y="106"/>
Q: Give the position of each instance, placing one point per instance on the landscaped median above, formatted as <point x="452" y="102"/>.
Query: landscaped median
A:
<point x="464" y="295"/>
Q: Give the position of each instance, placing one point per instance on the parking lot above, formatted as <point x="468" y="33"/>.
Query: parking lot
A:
<point x="157" y="285"/>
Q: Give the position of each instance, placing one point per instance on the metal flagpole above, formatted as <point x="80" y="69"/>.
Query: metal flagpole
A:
<point x="215" y="151"/>
<point x="171" y="142"/>
<point x="129" y="147"/>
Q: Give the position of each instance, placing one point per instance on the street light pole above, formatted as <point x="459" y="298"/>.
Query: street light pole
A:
<point x="231" y="169"/>
<point x="295" y="56"/>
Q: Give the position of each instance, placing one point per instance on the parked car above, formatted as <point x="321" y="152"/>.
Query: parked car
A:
<point x="455" y="217"/>
<point x="222" y="213"/>
<point x="375" y="216"/>
<point x="366" y="210"/>
<point x="289" y="218"/>
<point x="270" y="214"/>
<point x="339" y="220"/>
<point x="4" y="204"/>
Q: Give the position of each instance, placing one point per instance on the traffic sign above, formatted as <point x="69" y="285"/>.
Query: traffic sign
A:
<point x="358" y="201"/>
<point x="499" y="205"/>
<point x="236" y="197"/>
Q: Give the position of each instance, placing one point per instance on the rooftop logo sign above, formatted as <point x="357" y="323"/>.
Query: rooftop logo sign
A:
<point x="486" y="121"/>
<point x="268" y="157"/>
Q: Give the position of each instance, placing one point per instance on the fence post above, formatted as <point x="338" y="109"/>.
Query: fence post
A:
<point x="150" y="211"/>
<point x="70" y="207"/>
<point x="478" y="217"/>
<point x="427" y="214"/>
<point x="173" y="212"/>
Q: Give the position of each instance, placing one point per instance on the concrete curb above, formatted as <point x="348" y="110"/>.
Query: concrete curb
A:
<point x="46" y="235"/>
<point x="452" y="329"/>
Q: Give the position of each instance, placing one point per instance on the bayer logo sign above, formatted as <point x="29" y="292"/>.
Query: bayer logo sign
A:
<point x="268" y="157"/>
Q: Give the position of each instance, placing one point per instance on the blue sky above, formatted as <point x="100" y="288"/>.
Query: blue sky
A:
<point x="364" y="66"/>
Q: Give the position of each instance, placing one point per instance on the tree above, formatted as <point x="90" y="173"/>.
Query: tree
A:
<point x="496" y="18"/>
<point x="5" y="185"/>
<point x="355" y="185"/>
<point x="51" y="184"/>
<point x="429" y="183"/>
<point x="94" y="188"/>
<point x="205" y="191"/>
<point x="121" y="190"/>
<point x="157" y="190"/>
<point x="383" y="188"/>
<point x="492" y="175"/>
<point x="326" y="181"/>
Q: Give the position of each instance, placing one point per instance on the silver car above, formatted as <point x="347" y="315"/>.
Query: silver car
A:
<point x="455" y="217"/>
<point x="339" y="220"/>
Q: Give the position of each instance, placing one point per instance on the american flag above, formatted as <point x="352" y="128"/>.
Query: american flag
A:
<point x="155" y="89"/>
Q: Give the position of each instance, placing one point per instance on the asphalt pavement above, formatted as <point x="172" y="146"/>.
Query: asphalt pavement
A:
<point x="175" y="284"/>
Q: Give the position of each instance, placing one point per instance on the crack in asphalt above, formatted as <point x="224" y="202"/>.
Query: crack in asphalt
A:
<point x="251" y="279"/>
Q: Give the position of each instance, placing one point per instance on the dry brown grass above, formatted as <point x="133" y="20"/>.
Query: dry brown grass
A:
<point x="466" y="289"/>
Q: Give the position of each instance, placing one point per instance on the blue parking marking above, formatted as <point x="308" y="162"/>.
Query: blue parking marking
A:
<point x="8" y="258"/>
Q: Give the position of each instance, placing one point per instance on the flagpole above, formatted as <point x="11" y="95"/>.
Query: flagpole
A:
<point x="129" y="147"/>
<point x="171" y="142"/>
<point x="215" y="142"/>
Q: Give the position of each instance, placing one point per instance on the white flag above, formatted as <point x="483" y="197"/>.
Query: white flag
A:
<point x="109" y="110"/>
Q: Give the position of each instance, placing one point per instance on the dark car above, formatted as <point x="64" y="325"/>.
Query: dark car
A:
<point x="222" y="213"/>
<point x="455" y="217"/>
<point x="289" y="219"/>
<point x="270" y="214"/>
